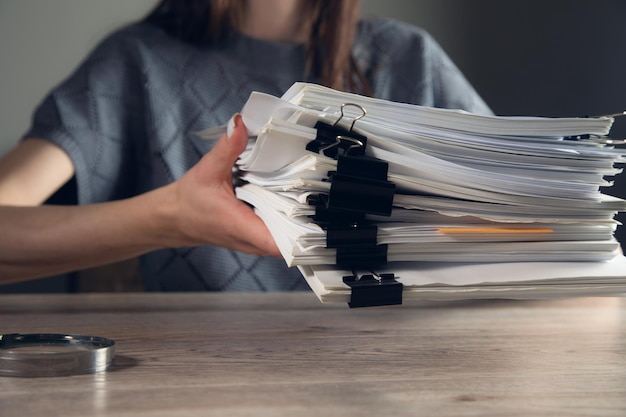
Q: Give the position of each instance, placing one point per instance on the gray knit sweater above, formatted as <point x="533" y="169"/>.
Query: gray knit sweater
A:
<point x="128" y="116"/>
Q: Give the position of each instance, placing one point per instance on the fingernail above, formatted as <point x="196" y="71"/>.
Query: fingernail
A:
<point x="232" y="124"/>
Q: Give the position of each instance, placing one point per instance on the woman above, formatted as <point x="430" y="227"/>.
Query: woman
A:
<point x="123" y="125"/>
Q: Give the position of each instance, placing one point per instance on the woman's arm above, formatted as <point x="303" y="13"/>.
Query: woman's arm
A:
<point x="199" y="208"/>
<point x="32" y="172"/>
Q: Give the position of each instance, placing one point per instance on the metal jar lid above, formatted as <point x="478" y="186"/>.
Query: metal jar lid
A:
<point x="39" y="355"/>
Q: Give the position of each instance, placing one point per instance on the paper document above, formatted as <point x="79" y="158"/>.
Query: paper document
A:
<point x="453" y="204"/>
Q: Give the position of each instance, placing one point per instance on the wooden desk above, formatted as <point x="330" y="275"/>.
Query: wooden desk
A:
<point x="288" y="355"/>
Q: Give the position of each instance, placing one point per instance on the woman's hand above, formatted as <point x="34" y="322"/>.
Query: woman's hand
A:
<point x="200" y="208"/>
<point x="206" y="210"/>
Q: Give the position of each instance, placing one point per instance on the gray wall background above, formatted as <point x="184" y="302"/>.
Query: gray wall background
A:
<point x="525" y="57"/>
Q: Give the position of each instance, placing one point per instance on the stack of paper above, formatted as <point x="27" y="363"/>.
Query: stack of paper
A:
<point x="484" y="206"/>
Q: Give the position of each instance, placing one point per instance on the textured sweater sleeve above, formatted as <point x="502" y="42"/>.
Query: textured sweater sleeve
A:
<point x="91" y="115"/>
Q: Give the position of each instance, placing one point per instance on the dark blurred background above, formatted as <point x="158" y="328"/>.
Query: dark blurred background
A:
<point x="531" y="57"/>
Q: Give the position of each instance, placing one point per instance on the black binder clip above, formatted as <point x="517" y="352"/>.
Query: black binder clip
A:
<point x="356" y="234"/>
<point x="334" y="140"/>
<point x="358" y="187"/>
<point x="360" y="182"/>
<point x="356" y="245"/>
<point x="360" y="193"/>
<point x="374" y="290"/>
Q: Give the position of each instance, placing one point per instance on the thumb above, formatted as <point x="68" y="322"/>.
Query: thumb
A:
<point x="230" y="145"/>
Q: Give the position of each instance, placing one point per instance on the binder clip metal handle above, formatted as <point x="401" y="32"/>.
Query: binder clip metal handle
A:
<point x="333" y="140"/>
<point x="358" y="106"/>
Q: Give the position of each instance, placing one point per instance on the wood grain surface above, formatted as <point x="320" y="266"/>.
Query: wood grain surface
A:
<point x="205" y="354"/>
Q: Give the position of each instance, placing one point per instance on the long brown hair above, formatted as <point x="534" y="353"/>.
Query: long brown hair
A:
<point x="333" y="27"/>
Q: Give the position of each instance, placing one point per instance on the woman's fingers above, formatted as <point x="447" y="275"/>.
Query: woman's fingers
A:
<point x="212" y="212"/>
